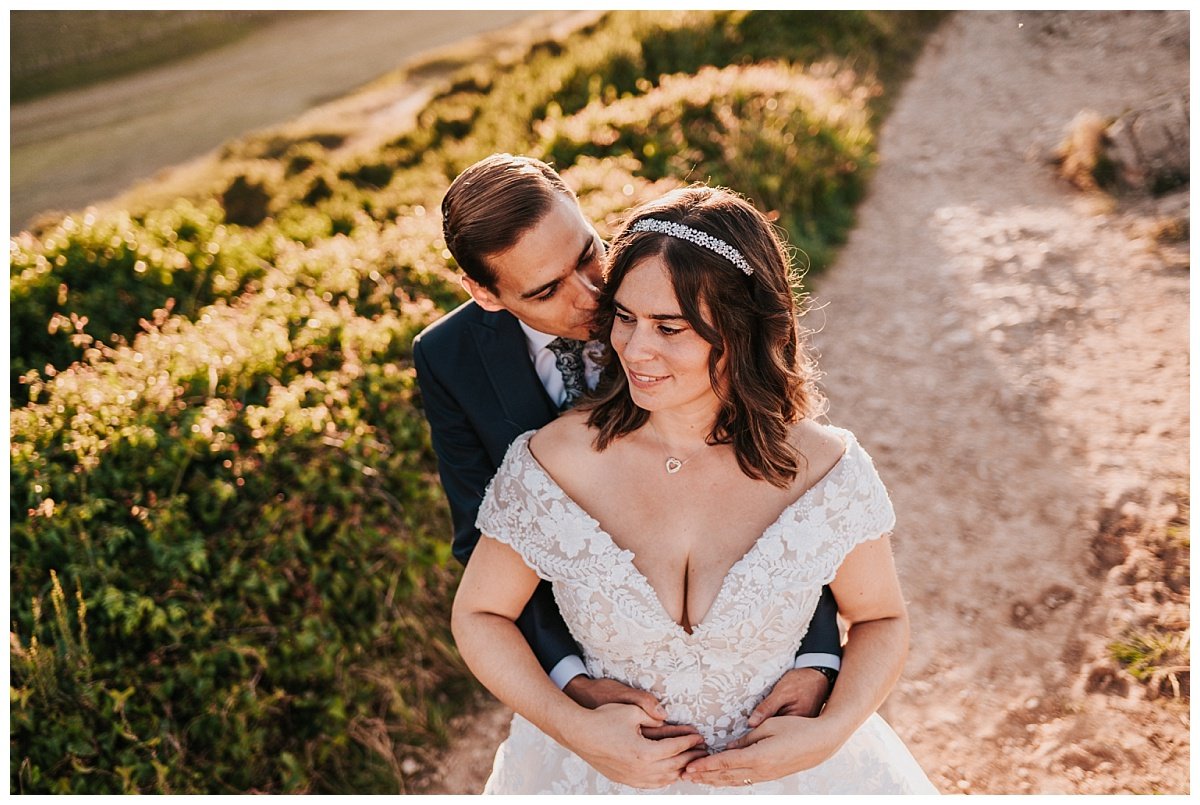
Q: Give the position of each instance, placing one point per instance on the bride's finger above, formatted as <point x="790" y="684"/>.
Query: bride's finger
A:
<point x="725" y="759"/>
<point x="672" y="747"/>
<point x="630" y="712"/>
<point x="750" y="738"/>
<point x="735" y="775"/>
<point x="679" y="762"/>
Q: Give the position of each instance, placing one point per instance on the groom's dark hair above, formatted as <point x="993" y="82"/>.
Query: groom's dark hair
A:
<point x="491" y="205"/>
<point x="758" y="366"/>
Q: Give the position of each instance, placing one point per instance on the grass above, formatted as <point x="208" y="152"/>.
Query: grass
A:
<point x="53" y="51"/>
<point x="1155" y="657"/>
<point x="1179" y="531"/>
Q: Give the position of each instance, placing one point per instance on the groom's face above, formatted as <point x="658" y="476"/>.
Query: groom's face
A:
<point x="549" y="278"/>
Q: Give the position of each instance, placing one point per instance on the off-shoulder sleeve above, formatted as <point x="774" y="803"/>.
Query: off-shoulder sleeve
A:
<point x="868" y="513"/>
<point x="851" y="508"/>
<point x="525" y="509"/>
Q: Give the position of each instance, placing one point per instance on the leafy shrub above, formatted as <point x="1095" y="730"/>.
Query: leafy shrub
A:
<point x="105" y="273"/>
<point x="626" y="53"/>
<point x="245" y="202"/>
<point x="608" y="189"/>
<point x="276" y="146"/>
<point x="798" y="142"/>
<point x="302" y="157"/>
<point x="318" y="191"/>
<point x="246" y="502"/>
<point x="374" y="175"/>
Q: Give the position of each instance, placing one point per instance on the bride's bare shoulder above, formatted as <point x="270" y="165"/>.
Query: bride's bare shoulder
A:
<point x="820" y="446"/>
<point x="562" y="443"/>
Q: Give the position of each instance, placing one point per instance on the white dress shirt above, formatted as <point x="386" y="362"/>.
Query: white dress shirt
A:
<point x="544" y="363"/>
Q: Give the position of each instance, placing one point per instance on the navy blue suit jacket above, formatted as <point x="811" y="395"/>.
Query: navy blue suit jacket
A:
<point x="479" y="391"/>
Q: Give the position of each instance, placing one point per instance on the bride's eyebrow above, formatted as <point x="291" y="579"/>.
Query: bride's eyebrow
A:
<point x="652" y="316"/>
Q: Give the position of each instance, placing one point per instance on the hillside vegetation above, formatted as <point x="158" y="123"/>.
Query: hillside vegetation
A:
<point x="230" y="556"/>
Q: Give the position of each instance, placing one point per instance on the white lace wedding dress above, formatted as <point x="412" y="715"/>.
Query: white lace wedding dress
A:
<point x="713" y="677"/>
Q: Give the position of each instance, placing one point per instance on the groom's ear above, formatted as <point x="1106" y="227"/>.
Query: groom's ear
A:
<point x="482" y="296"/>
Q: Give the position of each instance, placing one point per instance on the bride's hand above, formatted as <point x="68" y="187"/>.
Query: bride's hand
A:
<point x="778" y="747"/>
<point x="610" y="739"/>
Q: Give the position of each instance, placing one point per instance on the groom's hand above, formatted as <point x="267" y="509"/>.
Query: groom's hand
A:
<point x="799" y="692"/>
<point x="592" y="693"/>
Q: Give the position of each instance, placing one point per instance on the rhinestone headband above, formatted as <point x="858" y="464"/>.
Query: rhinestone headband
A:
<point x="704" y="239"/>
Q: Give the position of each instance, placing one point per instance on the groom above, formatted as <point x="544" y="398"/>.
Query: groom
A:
<point x="509" y="360"/>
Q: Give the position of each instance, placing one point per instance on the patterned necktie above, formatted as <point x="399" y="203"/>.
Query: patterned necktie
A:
<point x="568" y="358"/>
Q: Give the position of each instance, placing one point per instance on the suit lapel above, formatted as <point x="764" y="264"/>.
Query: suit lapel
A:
<point x="505" y="355"/>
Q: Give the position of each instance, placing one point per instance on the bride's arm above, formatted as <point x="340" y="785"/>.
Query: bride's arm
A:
<point x="869" y="597"/>
<point x="495" y="588"/>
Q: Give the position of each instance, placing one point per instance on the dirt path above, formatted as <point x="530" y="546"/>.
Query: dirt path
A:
<point x="1014" y="354"/>
<point x="71" y="149"/>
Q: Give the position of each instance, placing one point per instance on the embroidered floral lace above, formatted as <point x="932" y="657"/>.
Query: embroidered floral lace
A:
<point x="713" y="677"/>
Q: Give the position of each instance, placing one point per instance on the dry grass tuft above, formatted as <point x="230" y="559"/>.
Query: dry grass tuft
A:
<point x="1158" y="659"/>
<point x="1081" y="155"/>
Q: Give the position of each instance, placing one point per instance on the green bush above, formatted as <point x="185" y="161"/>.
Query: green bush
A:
<point x="799" y="143"/>
<point x="245" y="202"/>
<point x="103" y="274"/>
<point x="627" y="53"/>
<point x="608" y="189"/>
<point x="246" y="503"/>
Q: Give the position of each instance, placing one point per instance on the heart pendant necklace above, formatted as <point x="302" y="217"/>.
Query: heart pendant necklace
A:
<point x="673" y="464"/>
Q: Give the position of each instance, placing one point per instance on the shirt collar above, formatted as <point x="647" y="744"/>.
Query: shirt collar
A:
<point x="536" y="339"/>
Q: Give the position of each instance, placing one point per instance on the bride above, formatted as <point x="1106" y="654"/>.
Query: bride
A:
<point x="687" y="517"/>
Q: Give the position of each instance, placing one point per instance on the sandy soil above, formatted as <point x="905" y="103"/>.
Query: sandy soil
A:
<point x="74" y="148"/>
<point x="1014" y="354"/>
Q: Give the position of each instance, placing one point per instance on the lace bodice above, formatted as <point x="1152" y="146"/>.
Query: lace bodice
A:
<point x="713" y="677"/>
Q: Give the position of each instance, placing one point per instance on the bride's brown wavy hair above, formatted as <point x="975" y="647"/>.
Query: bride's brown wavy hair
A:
<point x="768" y="380"/>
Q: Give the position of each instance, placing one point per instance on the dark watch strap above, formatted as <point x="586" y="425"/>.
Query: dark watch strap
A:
<point x="829" y="673"/>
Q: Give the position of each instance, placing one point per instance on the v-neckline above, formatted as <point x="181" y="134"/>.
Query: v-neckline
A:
<point x="628" y="556"/>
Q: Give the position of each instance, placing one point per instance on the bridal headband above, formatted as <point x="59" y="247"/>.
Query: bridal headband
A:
<point x="704" y="239"/>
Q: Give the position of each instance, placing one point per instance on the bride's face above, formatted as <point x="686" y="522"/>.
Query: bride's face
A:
<point x="665" y="360"/>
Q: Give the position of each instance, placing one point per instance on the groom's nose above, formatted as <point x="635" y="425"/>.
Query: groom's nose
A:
<point x="586" y="293"/>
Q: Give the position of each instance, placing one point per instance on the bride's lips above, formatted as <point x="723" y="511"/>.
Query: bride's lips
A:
<point x="640" y="380"/>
